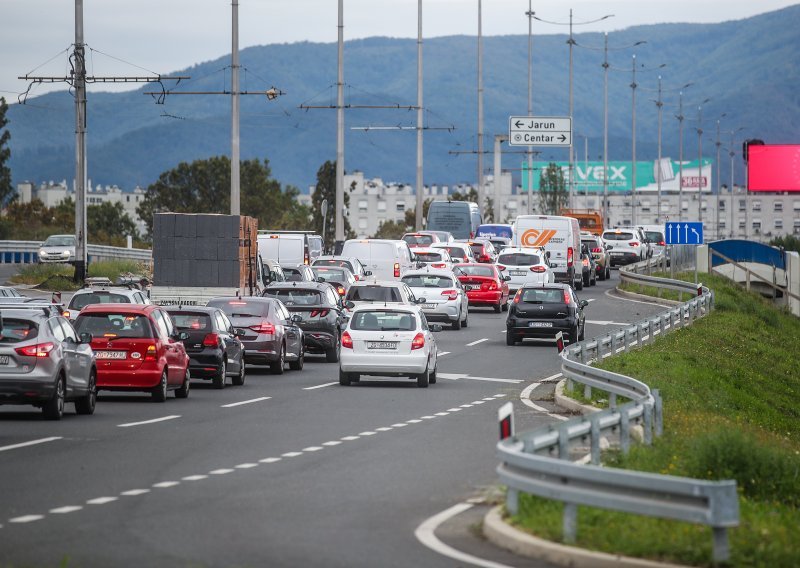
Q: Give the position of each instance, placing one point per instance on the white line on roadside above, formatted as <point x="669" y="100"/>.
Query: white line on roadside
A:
<point x="610" y="295"/>
<point x="31" y="443"/>
<point x="166" y="484"/>
<point x="454" y="410"/>
<point x="591" y="299"/>
<point x="102" y="500"/>
<point x="252" y="400"/>
<point x="135" y="492"/>
<point x="477" y="341"/>
<point x="492" y="380"/>
<point x="367" y="433"/>
<point x="313" y="449"/>
<point x="383" y="429"/>
<point x="192" y="478"/>
<point x="399" y="425"/>
<point x="440" y="353"/>
<point x="427" y="417"/>
<point x="270" y="460"/>
<point x="331" y="443"/>
<point x="221" y="471"/>
<point x="604" y="322"/>
<point x="153" y="421"/>
<point x="525" y="395"/>
<point x="466" y="406"/>
<point x="426" y="534"/>
<point x="292" y="454"/>
<point x="413" y="421"/>
<point x="67" y="509"/>
<point x="26" y="519"/>
<point x="349" y="438"/>
<point x="246" y="465"/>
<point x="319" y="386"/>
<point x="551" y="377"/>
<point x="441" y="414"/>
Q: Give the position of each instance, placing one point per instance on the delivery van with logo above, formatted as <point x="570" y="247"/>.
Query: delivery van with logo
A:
<point x="559" y="236"/>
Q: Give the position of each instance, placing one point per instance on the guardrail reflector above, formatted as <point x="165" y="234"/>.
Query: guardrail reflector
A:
<point x="505" y="416"/>
<point x="560" y="341"/>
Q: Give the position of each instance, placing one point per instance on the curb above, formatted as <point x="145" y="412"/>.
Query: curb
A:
<point x="646" y="298"/>
<point x="505" y="536"/>
<point x="571" y="404"/>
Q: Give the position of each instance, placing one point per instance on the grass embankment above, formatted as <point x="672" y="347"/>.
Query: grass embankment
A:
<point x="730" y="384"/>
<point x="58" y="277"/>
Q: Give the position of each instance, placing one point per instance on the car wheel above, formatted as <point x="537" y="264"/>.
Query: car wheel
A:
<point x="183" y="391"/>
<point x="86" y="404"/>
<point x="344" y="378"/>
<point x="510" y="339"/>
<point x="465" y="323"/>
<point x="608" y="272"/>
<point x="332" y="354"/>
<point x="238" y="380"/>
<point x="423" y="379"/>
<point x="587" y="279"/>
<point x="160" y="392"/>
<point x="298" y="365"/>
<point x="579" y="284"/>
<point x="505" y="305"/>
<point x="498" y="308"/>
<point x="432" y="376"/>
<point x="278" y="366"/>
<point x="219" y="380"/>
<point x="457" y="323"/>
<point x="53" y="409"/>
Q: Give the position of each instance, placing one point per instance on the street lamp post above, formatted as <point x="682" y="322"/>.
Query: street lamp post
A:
<point x="606" y="220"/>
<point x="680" y="118"/>
<point x="732" y="153"/>
<point x="530" y="14"/>
<point x="700" y="163"/>
<point x="633" y="140"/>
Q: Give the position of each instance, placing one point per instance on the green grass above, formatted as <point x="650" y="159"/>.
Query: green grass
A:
<point x="730" y="384"/>
<point x="59" y="276"/>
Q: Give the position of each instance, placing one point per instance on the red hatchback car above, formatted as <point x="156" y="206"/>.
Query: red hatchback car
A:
<point x="137" y="349"/>
<point x="485" y="285"/>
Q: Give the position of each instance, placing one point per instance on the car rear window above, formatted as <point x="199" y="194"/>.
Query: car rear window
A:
<point x="476" y="270"/>
<point x="16" y="330"/>
<point x="80" y="301"/>
<point x="383" y="321"/>
<point x="134" y="326"/>
<point x="331" y="262"/>
<point x="591" y="244"/>
<point x="293" y="274"/>
<point x="295" y="296"/>
<point x="330" y="274"/>
<point x="428" y="256"/>
<point x="242" y="308"/>
<point x="418" y="239"/>
<point x="519" y="259"/>
<point x="427" y="281"/>
<point x="618" y="236"/>
<point x="373" y="294"/>
<point x="655" y="236"/>
<point x="191" y="321"/>
<point x="456" y="252"/>
<point x="543" y="295"/>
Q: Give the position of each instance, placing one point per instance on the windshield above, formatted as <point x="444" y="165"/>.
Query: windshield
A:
<point x="373" y="294"/>
<point x="655" y="236"/>
<point x="330" y="274"/>
<point x="293" y="274"/>
<point x="133" y="326"/>
<point x="427" y="281"/>
<point x="60" y="241"/>
<point x="456" y="252"/>
<point x="80" y="301"/>
<point x="295" y="296"/>
<point x="428" y="257"/>
<point x="383" y="321"/>
<point x="519" y="259"/>
<point x="332" y="262"/>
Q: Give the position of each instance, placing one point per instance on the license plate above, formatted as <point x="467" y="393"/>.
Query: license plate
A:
<point x="517" y="273"/>
<point x="3" y="359"/>
<point x="111" y="354"/>
<point x="381" y="345"/>
<point x="616" y="254"/>
<point x="471" y="287"/>
<point x="428" y="306"/>
<point x="540" y="324"/>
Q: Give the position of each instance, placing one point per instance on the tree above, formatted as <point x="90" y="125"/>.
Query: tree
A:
<point x="204" y="187"/>
<point x="471" y="195"/>
<point x="411" y="214"/>
<point x="326" y="189"/>
<point x="553" y="195"/>
<point x="6" y="190"/>
<point x="108" y="223"/>
<point x="391" y="230"/>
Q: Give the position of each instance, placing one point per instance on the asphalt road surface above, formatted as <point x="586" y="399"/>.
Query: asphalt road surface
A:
<point x="290" y="470"/>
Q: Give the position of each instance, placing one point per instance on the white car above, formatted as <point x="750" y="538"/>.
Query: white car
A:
<point x="351" y="263"/>
<point x="384" y="292"/>
<point x="58" y="248"/>
<point x="625" y="245"/>
<point x="655" y="235"/>
<point x="435" y="258"/>
<point x="389" y="341"/>
<point x="444" y="297"/>
<point x="91" y="294"/>
<point x="459" y="252"/>
<point x="525" y="265"/>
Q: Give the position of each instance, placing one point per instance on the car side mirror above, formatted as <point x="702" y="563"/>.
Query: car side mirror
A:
<point x="547" y="254"/>
<point x="584" y="303"/>
<point x="320" y="279"/>
<point x="238" y="332"/>
<point x="435" y="327"/>
<point x="182" y="335"/>
<point x="507" y="278"/>
<point x="367" y="273"/>
<point x="348" y="304"/>
<point x="421" y="300"/>
<point x="85" y="337"/>
<point x="296" y="318"/>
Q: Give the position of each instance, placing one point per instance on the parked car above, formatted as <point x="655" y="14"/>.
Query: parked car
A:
<point x="541" y="311"/>
<point x="137" y="349"/>
<point x="316" y="307"/>
<point x="625" y="245"/>
<point x="298" y="273"/>
<point x="459" y="252"/>
<point x="271" y="334"/>
<point x="420" y="239"/>
<point x="351" y="263"/>
<point x="391" y="292"/>
<point x="339" y="278"/>
<point x="435" y="258"/>
<point x="525" y="265"/>
<point x="588" y="266"/>
<point x="92" y="294"/>
<point x="393" y="341"/>
<point x="484" y="284"/>
<point x="44" y="362"/>
<point x="213" y="345"/>
<point x="445" y="299"/>
<point x="598" y="249"/>
<point x="58" y="248"/>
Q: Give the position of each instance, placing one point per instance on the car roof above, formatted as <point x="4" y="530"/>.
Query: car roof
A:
<point x="551" y="285"/>
<point x="380" y="306"/>
<point x="385" y="283"/>
<point x="195" y="309"/>
<point x="422" y="272"/>
<point x="141" y="309"/>
<point x="298" y="284"/>
<point x="257" y="299"/>
<point x="529" y="250"/>
<point x="428" y="249"/>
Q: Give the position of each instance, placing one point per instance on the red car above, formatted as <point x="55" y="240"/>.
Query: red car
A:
<point x="485" y="285"/>
<point x="137" y="349"/>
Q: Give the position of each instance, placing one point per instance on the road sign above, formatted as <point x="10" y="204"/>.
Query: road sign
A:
<point x="684" y="233"/>
<point x="539" y="130"/>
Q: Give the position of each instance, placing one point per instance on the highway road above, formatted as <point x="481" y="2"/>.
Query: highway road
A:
<point x="290" y="470"/>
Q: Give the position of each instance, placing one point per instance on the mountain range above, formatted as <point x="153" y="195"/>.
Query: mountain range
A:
<point x="747" y="68"/>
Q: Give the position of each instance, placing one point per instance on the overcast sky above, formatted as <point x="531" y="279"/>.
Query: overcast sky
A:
<point x="163" y="36"/>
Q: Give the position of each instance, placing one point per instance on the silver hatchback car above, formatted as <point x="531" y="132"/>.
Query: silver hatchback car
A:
<point x="445" y="298"/>
<point x="43" y="362"/>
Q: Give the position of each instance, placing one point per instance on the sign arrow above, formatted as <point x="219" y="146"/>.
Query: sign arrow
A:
<point x="696" y="235"/>
<point x="519" y="124"/>
<point x="563" y="138"/>
<point x="686" y="233"/>
<point x="670" y="232"/>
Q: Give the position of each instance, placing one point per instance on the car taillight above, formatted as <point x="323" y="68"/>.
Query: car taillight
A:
<point x="211" y="340"/>
<point x="451" y="294"/>
<point x="264" y="327"/>
<point x="341" y="290"/>
<point x="150" y="354"/>
<point x="438" y="265"/>
<point x="570" y="256"/>
<point x="662" y="243"/>
<point x="347" y="341"/>
<point x="66" y="314"/>
<point x="518" y="296"/>
<point x="566" y="296"/>
<point x="538" y="269"/>
<point x="597" y="249"/>
<point x="489" y="286"/>
<point x="38" y="350"/>
<point x="418" y="342"/>
<point x="484" y="258"/>
<point x="633" y="244"/>
<point x="320" y="313"/>
<point x="306" y="260"/>
<point x="500" y="267"/>
<point x="397" y="270"/>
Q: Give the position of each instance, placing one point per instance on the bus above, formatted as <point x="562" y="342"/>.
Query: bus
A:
<point x="460" y="218"/>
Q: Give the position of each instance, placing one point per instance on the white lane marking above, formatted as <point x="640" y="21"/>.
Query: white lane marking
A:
<point x="270" y="460"/>
<point x="604" y="322"/>
<point x="501" y="395"/>
<point x="135" y="492"/>
<point x="331" y="443"/>
<point x="478" y="401"/>
<point x="259" y="399"/>
<point x="292" y="454"/>
<point x="153" y="421"/>
<point x="488" y="398"/>
<point x="454" y="409"/>
<point x="31" y="443"/>
<point x="525" y="397"/>
<point x="367" y="433"/>
<point x="165" y="484"/>
<point x="319" y="386"/>
<point x="591" y="299"/>
<point x="426" y="534"/>
<point x="551" y="378"/>
<point x="349" y="438"/>
<point x="399" y="425"/>
<point x="194" y="477"/>
<point x="383" y="429"/>
<point x="313" y="449"/>
<point x="610" y="295"/>
<point x="26" y="519"/>
<point x="440" y="353"/>
<point x="465" y="376"/>
<point x="559" y="416"/>
<point x="221" y="471"/>
<point x="427" y="417"/>
<point x="67" y="509"/>
<point x="101" y="500"/>
<point x="478" y="341"/>
<point x="504" y="331"/>
<point x="466" y="406"/>
<point x="442" y="413"/>
<point x="246" y="465"/>
<point x="414" y="421"/>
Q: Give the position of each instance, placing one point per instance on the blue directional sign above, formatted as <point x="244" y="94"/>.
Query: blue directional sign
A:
<point x="684" y="233"/>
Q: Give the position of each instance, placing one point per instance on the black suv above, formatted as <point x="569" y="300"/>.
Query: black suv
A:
<point x="542" y="310"/>
<point x="320" y="307"/>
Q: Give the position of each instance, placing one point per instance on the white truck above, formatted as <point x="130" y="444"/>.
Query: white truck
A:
<point x="197" y="257"/>
<point x="559" y="236"/>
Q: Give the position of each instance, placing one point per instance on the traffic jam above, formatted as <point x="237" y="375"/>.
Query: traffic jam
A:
<point x="373" y="309"/>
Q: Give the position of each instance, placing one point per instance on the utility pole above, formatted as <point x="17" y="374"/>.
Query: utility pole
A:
<point x="659" y="104"/>
<point x="606" y="216"/>
<point x="530" y="14"/>
<point x="633" y="139"/>
<point x="480" y="113"/>
<point x="339" y="217"/>
<point x="235" y="191"/>
<point x="700" y="163"/>
<point x="680" y="118"/>
<point x="498" y="172"/>
<point x="420" y="186"/>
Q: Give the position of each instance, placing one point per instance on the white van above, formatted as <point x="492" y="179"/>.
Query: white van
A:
<point x="560" y="236"/>
<point x="289" y="247"/>
<point x="387" y="259"/>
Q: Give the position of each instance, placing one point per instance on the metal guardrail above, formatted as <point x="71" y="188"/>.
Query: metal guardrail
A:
<point x="538" y="461"/>
<point x="27" y="252"/>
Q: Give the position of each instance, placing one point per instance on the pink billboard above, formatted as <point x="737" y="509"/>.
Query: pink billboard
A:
<point x="773" y="167"/>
